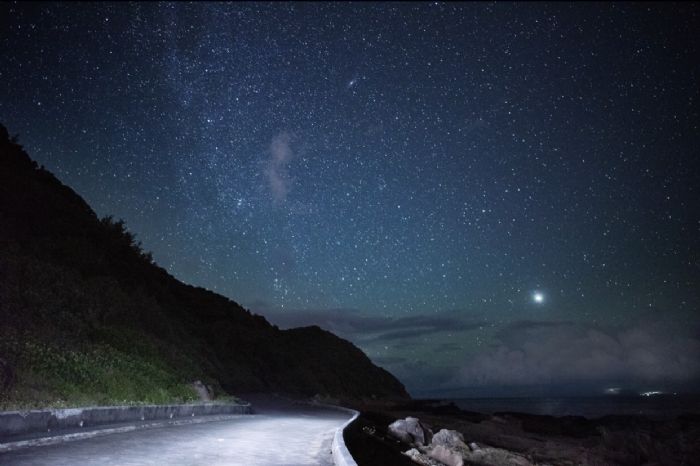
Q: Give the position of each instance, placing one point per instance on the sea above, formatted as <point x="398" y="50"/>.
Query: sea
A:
<point x="656" y="406"/>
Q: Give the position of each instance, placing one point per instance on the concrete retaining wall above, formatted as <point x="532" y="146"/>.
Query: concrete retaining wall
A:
<point x="341" y="454"/>
<point x="339" y="451"/>
<point x="13" y="423"/>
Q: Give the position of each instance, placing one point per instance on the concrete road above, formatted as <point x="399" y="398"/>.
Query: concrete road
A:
<point x="277" y="436"/>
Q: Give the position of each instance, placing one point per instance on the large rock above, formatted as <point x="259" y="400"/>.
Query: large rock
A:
<point x="446" y="456"/>
<point x="202" y="391"/>
<point x="449" y="439"/>
<point x="411" y="431"/>
<point x="419" y="458"/>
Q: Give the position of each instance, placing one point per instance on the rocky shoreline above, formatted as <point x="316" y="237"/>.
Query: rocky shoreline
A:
<point x="436" y="434"/>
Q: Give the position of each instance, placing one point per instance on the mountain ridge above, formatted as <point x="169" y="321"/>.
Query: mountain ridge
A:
<point x="84" y="309"/>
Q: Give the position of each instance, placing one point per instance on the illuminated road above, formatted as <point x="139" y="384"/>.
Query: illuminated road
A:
<point x="299" y="436"/>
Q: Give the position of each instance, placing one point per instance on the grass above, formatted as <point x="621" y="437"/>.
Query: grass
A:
<point x="91" y="374"/>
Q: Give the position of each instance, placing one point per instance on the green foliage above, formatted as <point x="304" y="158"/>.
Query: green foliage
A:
<point x="94" y="374"/>
<point x="120" y="237"/>
<point x="77" y="340"/>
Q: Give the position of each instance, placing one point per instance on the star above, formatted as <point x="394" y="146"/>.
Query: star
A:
<point x="538" y="297"/>
<point x="370" y="149"/>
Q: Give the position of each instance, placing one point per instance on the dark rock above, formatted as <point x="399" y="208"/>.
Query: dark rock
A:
<point x="440" y="408"/>
<point x="367" y="440"/>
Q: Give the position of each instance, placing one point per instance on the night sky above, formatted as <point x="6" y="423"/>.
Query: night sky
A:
<point x="485" y="197"/>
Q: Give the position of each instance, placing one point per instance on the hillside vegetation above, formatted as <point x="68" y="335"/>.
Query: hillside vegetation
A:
<point x="88" y="318"/>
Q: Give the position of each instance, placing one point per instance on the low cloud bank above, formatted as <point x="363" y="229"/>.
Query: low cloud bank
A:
<point x="349" y="323"/>
<point x="526" y="353"/>
<point x="530" y="352"/>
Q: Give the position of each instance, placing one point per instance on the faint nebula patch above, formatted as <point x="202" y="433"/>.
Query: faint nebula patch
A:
<point x="276" y="171"/>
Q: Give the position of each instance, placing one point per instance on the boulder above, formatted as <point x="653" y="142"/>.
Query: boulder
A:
<point x="419" y="458"/>
<point x="413" y="454"/>
<point x="446" y="456"/>
<point x="411" y="431"/>
<point x="202" y="391"/>
<point x="449" y="438"/>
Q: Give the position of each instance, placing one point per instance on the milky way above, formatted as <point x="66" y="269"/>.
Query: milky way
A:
<point x="451" y="186"/>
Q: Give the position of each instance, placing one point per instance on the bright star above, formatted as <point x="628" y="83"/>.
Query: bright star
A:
<point x="538" y="297"/>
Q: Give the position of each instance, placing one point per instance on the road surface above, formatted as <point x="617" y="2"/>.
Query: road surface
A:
<point x="276" y="436"/>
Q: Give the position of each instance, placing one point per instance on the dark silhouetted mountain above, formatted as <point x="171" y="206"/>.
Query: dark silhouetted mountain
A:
<point x="87" y="316"/>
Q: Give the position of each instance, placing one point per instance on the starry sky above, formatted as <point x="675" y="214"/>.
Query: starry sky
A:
<point x="483" y="197"/>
